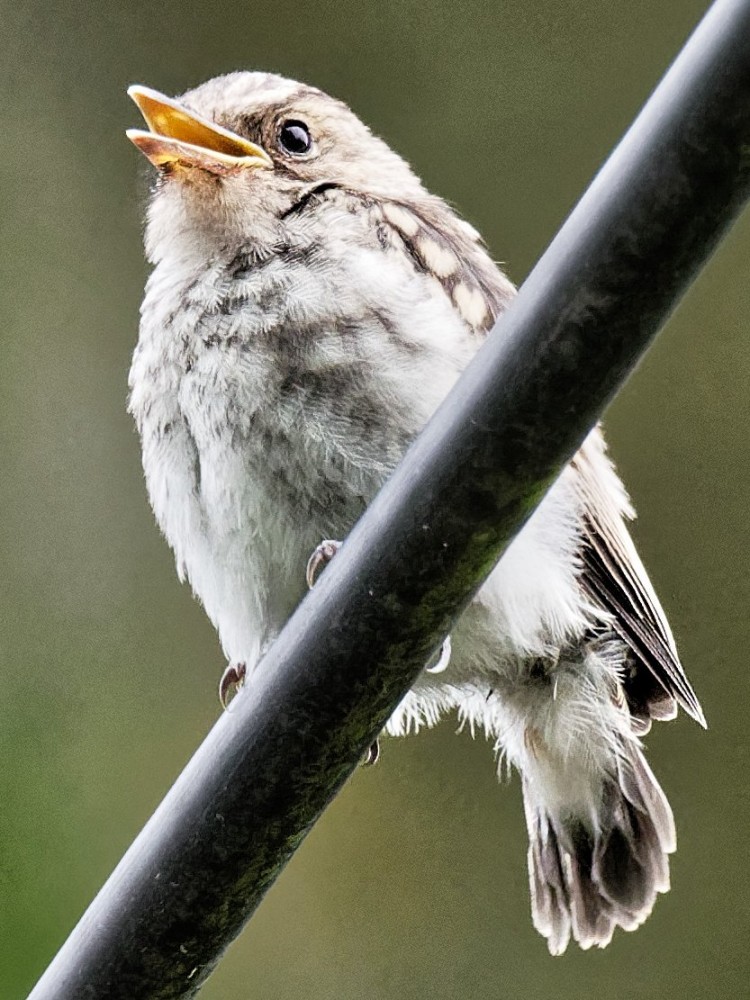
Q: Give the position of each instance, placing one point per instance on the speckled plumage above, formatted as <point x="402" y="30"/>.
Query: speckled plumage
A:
<point x="300" y="326"/>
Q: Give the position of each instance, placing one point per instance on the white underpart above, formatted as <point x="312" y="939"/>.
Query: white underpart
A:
<point x="245" y="554"/>
<point x="230" y="544"/>
<point x="211" y="479"/>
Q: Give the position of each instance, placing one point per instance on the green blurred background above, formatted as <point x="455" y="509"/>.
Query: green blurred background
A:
<point x="413" y="884"/>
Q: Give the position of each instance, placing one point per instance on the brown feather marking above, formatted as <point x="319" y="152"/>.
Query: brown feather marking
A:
<point x="471" y="304"/>
<point x="451" y="251"/>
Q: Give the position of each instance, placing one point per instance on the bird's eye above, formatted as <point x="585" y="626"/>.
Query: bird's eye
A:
<point x="295" y="138"/>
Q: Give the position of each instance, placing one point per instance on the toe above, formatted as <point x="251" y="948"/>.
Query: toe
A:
<point x="231" y="681"/>
<point x="320" y="558"/>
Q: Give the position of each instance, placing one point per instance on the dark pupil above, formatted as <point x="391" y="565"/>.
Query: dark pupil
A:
<point x="295" y="138"/>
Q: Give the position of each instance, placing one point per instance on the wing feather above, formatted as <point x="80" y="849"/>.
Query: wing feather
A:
<point x="616" y="580"/>
<point x="613" y="575"/>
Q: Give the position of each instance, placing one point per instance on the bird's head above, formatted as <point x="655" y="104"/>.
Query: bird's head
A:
<point x="242" y="153"/>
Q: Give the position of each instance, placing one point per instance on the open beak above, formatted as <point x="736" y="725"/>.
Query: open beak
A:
<point x="181" y="138"/>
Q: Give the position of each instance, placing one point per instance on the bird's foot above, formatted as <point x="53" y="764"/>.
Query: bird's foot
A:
<point x="231" y="681"/>
<point x="372" y="756"/>
<point x="320" y="558"/>
<point x="443" y="659"/>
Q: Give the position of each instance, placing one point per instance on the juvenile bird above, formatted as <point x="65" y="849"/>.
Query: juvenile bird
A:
<point x="310" y="305"/>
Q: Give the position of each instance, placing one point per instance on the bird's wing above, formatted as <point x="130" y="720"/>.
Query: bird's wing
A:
<point x="615" y="579"/>
<point x="612" y="574"/>
<point x="447" y="248"/>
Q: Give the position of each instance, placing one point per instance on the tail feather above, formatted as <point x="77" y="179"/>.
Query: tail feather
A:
<point x="591" y="875"/>
<point x="549" y="897"/>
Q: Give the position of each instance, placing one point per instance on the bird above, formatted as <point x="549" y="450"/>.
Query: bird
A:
<point x="310" y="304"/>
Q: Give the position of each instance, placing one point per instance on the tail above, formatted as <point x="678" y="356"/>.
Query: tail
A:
<point x="591" y="874"/>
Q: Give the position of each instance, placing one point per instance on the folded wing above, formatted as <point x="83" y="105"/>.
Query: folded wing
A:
<point x="616" y="580"/>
